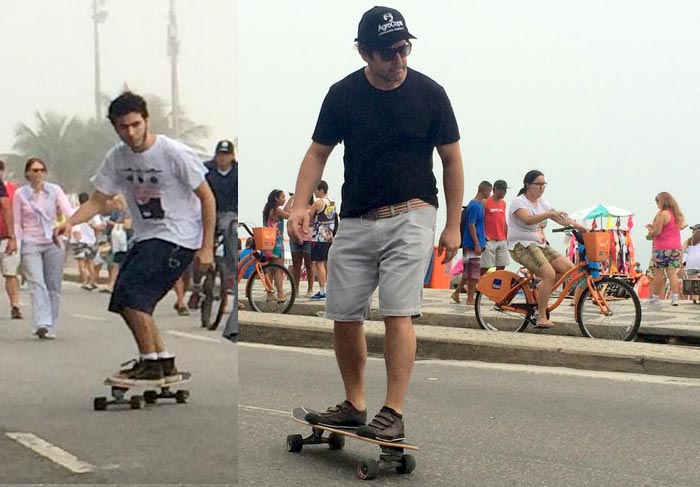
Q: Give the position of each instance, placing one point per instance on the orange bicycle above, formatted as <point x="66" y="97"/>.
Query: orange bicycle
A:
<point x="608" y="308"/>
<point x="260" y="290"/>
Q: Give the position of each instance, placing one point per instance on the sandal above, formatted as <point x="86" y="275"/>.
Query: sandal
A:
<point x="542" y="326"/>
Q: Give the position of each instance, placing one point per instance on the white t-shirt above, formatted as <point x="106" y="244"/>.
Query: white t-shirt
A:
<point x="692" y="259"/>
<point x="158" y="185"/>
<point x="518" y="231"/>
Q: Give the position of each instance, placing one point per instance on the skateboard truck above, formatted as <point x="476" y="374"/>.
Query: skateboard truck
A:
<point x="150" y="396"/>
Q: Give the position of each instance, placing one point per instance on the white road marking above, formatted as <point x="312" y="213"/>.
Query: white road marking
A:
<point x="532" y="369"/>
<point x="591" y="374"/>
<point x="276" y="412"/>
<point x="192" y="336"/>
<point x="53" y="453"/>
<point x="91" y="317"/>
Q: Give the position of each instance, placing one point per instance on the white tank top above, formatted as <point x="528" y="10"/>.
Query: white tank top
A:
<point x="692" y="259"/>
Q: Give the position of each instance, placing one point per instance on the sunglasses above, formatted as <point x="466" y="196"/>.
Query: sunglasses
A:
<point x="540" y="185"/>
<point x="38" y="169"/>
<point x="389" y="53"/>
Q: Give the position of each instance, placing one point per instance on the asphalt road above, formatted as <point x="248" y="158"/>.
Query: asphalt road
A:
<point x="48" y="388"/>
<point x="477" y="424"/>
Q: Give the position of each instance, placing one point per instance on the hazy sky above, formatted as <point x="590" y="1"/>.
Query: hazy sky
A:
<point x="47" y="58"/>
<point x="602" y="96"/>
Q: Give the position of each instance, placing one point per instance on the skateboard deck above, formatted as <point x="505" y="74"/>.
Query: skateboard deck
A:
<point x="392" y="455"/>
<point x="150" y="395"/>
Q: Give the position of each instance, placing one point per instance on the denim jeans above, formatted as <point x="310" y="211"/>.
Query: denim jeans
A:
<point x="43" y="264"/>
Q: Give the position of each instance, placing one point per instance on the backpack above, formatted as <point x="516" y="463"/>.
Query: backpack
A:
<point x="462" y="225"/>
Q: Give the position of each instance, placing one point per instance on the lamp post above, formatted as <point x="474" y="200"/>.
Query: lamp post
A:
<point x="173" y="50"/>
<point x="99" y="14"/>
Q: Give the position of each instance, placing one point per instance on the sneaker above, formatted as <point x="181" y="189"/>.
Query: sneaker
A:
<point x="387" y="425"/>
<point x="181" y="310"/>
<point x="92" y="286"/>
<point x="15" y="313"/>
<point x="170" y="372"/>
<point x="139" y="372"/>
<point x="86" y="287"/>
<point x="318" y="296"/>
<point x="42" y="332"/>
<point x="674" y="300"/>
<point x="654" y="303"/>
<point x="343" y="416"/>
<point x="193" y="302"/>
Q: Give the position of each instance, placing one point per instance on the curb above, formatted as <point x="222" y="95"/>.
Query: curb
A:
<point x="466" y="344"/>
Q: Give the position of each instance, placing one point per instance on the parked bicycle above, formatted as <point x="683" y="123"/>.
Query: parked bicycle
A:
<point x="608" y="308"/>
<point x="261" y="291"/>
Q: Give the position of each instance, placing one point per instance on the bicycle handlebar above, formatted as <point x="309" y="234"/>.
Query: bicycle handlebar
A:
<point x="247" y="228"/>
<point x="563" y="229"/>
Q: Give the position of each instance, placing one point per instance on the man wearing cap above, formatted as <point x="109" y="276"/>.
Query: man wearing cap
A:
<point x="496" y="229"/>
<point x="390" y="119"/>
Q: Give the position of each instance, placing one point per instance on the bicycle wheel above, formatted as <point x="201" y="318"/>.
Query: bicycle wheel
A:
<point x="262" y="294"/>
<point x="215" y="298"/>
<point x="492" y="316"/>
<point x="623" y="314"/>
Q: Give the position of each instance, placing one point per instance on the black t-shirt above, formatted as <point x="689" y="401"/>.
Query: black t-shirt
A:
<point x="389" y="138"/>
<point x="224" y="187"/>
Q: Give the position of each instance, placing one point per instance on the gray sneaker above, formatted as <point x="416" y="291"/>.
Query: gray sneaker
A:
<point x="342" y="416"/>
<point x="387" y="425"/>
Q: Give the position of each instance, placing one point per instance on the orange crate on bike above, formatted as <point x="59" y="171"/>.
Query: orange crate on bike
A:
<point x="597" y="245"/>
<point x="265" y="237"/>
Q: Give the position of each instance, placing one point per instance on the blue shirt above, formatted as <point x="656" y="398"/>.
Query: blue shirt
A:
<point x="475" y="215"/>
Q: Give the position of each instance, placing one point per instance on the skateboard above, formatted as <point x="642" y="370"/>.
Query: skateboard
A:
<point x="150" y="395"/>
<point x="392" y="455"/>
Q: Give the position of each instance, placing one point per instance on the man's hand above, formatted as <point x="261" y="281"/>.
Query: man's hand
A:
<point x="11" y="246"/>
<point x="449" y="244"/>
<point x="298" y="225"/>
<point x="204" y="258"/>
<point x="62" y="229"/>
<point x="477" y="249"/>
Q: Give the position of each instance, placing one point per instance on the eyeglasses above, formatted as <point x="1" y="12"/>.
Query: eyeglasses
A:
<point x="38" y="169"/>
<point x="389" y="53"/>
<point x="540" y="185"/>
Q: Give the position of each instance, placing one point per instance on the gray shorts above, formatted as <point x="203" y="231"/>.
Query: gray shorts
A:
<point x="495" y="254"/>
<point x="390" y="253"/>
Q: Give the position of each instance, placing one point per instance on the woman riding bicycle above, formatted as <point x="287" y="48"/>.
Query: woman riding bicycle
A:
<point x="274" y="214"/>
<point x="527" y="247"/>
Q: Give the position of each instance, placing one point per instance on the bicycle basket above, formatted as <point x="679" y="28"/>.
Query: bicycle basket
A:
<point x="265" y="237"/>
<point x="597" y="245"/>
<point x="497" y="285"/>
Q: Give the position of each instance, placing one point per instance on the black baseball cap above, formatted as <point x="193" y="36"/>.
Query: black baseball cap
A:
<point x="382" y="27"/>
<point x="225" y="146"/>
<point x="500" y="184"/>
<point x="695" y="227"/>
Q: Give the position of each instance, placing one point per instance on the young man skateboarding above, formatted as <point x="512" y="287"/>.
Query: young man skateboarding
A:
<point x="173" y="211"/>
<point x="390" y="119"/>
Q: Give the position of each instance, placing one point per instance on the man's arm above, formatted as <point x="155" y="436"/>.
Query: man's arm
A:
<point x="453" y="182"/>
<point x="310" y="174"/>
<point x="475" y="238"/>
<point x="96" y="204"/>
<point x="6" y="209"/>
<point x="205" y="254"/>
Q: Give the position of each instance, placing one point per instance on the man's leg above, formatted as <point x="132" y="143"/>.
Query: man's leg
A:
<point x="141" y="325"/>
<point x="351" y="353"/>
<point x="399" y="354"/>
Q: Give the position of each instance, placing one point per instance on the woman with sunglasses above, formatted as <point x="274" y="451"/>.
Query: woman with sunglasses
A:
<point x="37" y="206"/>
<point x="527" y="247"/>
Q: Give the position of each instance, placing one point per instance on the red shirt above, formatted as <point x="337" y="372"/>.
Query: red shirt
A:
<point x="495" y="220"/>
<point x="10" y="187"/>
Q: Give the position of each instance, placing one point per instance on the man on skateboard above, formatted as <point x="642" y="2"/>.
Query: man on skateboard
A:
<point x="390" y="119"/>
<point x="173" y="210"/>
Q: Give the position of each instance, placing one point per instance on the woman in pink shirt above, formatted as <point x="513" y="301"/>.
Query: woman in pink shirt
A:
<point x="666" y="248"/>
<point x="36" y="208"/>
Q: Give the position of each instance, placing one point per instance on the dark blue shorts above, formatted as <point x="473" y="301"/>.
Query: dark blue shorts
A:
<point x="304" y="248"/>
<point x="148" y="272"/>
<point x="319" y="251"/>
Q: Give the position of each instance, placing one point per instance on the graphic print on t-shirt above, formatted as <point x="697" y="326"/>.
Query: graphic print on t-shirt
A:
<point x="147" y="192"/>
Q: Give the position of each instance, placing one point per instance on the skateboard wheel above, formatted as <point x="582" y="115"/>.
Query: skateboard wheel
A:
<point x="336" y="441"/>
<point x="367" y="469"/>
<point x="181" y="397"/>
<point x="408" y="464"/>
<point x="135" y="402"/>
<point x="150" y="397"/>
<point x="295" y="443"/>
<point x="100" y="403"/>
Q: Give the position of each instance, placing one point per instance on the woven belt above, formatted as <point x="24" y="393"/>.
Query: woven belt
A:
<point x="394" y="210"/>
